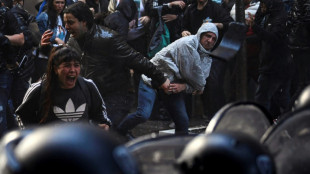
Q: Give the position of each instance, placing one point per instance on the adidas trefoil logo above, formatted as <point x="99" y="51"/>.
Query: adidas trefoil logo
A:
<point x="70" y="114"/>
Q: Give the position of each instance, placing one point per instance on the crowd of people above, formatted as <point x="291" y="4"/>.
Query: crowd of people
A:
<point x="92" y="61"/>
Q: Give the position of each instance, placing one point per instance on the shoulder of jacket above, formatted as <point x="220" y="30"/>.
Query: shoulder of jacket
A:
<point x="42" y="16"/>
<point x="35" y="88"/>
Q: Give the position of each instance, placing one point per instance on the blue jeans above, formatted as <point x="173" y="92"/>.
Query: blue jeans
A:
<point x="6" y="79"/>
<point x="174" y="103"/>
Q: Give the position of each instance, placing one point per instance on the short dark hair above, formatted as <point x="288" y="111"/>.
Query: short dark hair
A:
<point x="82" y="12"/>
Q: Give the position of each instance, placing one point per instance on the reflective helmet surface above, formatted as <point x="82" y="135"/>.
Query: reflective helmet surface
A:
<point x="225" y="153"/>
<point x="303" y="101"/>
<point x="78" y="149"/>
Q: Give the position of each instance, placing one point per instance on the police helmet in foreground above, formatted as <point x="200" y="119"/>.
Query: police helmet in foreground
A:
<point x="76" y="149"/>
<point x="303" y="101"/>
<point x="220" y="153"/>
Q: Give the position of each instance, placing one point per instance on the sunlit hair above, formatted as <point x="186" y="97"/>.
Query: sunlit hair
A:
<point x="58" y="55"/>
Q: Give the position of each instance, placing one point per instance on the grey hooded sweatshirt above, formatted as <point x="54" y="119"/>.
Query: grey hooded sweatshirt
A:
<point x="186" y="61"/>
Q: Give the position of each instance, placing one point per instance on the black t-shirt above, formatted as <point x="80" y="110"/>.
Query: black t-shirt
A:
<point x="70" y="105"/>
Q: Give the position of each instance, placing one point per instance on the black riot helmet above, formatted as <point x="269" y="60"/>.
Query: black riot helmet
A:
<point x="222" y="153"/>
<point x="303" y="100"/>
<point x="64" y="149"/>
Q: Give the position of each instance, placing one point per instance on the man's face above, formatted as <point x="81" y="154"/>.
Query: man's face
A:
<point x="207" y="40"/>
<point x="59" y="5"/>
<point x="75" y="27"/>
<point x="68" y="73"/>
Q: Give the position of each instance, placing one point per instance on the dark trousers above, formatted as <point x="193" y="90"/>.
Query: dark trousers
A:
<point x="213" y="96"/>
<point x="118" y="105"/>
<point x="273" y="88"/>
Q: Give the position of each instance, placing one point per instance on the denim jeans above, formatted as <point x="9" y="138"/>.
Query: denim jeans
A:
<point x="6" y="79"/>
<point x="174" y="103"/>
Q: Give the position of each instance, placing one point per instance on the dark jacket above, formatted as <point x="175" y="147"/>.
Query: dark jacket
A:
<point x="24" y="19"/>
<point x="299" y="25"/>
<point x="270" y="28"/>
<point x="8" y="26"/>
<point x="31" y="110"/>
<point x="174" y="26"/>
<point x="107" y="59"/>
<point x="193" y="18"/>
<point x="119" y="20"/>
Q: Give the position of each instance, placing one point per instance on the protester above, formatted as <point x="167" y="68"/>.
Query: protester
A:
<point x="22" y="73"/>
<point x="50" y="21"/>
<point x="195" y="15"/>
<point x="186" y="64"/>
<point x="107" y="59"/>
<point x="10" y="35"/>
<point x="62" y="95"/>
<point x="298" y="26"/>
<point x="275" y="62"/>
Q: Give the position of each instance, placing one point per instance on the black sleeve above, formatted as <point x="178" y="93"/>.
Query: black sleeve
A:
<point x="185" y="20"/>
<point x="274" y="33"/>
<point x="222" y="16"/>
<point x="136" y="61"/>
<point x="11" y="25"/>
<point x="97" y="110"/>
<point x="28" y="110"/>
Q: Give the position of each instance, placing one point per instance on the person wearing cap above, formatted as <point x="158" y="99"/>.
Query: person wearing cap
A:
<point x="186" y="63"/>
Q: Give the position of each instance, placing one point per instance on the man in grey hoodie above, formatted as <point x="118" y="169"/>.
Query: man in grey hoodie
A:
<point x="186" y="63"/>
